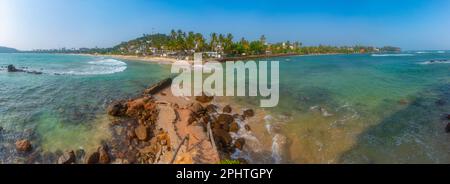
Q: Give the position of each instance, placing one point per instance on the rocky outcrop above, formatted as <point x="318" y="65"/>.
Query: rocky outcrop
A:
<point x="23" y="145"/>
<point x="68" y="157"/>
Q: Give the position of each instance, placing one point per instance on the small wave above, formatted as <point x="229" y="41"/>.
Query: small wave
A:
<point x="391" y="55"/>
<point x="441" y="52"/>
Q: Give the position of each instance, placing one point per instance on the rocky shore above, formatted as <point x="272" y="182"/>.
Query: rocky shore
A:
<point x="163" y="129"/>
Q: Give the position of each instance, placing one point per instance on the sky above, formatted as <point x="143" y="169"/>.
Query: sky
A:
<point x="46" y="24"/>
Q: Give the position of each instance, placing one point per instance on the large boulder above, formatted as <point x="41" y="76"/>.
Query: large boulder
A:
<point x="204" y="98"/>
<point x="67" y="158"/>
<point x="93" y="158"/>
<point x="12" y="68"/>
<point x="249" y="113"/>
<point x="141" y="132"/>
<point x="222" y="138"/>
<point x="117" y="109"/>
<point x="23" y="145"/>
<point x="211" y="108"/>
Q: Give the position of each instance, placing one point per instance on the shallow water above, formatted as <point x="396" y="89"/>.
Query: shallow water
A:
<point x="64" y="108"/>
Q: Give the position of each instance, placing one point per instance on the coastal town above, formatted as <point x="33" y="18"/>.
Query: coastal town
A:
<point x="222" y="47"/>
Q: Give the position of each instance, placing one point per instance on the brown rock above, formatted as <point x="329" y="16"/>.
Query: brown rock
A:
<point x="249" y="113"/>
<point x="103" y="155"/>
<point x="222" y="138"/>
<point x="93" y="158"/>
<point x="227" y="109"/>
<point x="239" y="143"/>
<point x="204" y="98"/>
<point x="234" y="127"/>
<point x="67" y="158"/>
<point x="141" y="132"/>
<point x="117" y="109"/>
<point x="23" y="145"/>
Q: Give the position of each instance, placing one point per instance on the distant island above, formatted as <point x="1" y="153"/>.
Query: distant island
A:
<point x="7" y="50"/>
<point x="182" y="45"/>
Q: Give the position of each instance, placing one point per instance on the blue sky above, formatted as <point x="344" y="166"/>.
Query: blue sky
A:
<point x="410" y="24"/>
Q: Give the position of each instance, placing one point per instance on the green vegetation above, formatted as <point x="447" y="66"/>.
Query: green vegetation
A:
<point x="182" y="44"/>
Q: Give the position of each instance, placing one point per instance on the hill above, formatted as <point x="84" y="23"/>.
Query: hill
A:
<point x="7" y="50"/>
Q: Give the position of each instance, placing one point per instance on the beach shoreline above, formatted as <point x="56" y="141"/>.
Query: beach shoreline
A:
<point x="168" y="60"/>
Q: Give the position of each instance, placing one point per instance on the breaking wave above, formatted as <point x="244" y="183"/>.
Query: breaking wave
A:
<point x="98" y="67"/>
<point x="391" y="55"/>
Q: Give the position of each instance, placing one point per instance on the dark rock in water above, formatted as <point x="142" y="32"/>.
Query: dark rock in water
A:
<point x="204" y="98"/>
<point x="249" y="113"/>
<point x="117" y="109"/>
<point x="227" y="109"/>
<point x="448" y="116"/>
<point x="67" y="158"/>
<point x="447" y="128"/>
<point x="93" y="158"/>
<point x="23" y="145"/>
<point x="141" y="132"/>
<point x="1" y="129"/>
<point x="103" y="155"/>
<point x="12" y="68"/>
<point x="239" y="143"/>
<point x="225" y="119"/>
<point x="197" y="109"/>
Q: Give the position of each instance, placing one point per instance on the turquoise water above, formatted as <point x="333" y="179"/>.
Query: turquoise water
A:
<point x="363" y="108"/>
<point x="333" y="109"/>
<point x="64" y="108"/>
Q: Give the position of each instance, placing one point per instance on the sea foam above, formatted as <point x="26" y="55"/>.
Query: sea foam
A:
<point x="391" y="55"/>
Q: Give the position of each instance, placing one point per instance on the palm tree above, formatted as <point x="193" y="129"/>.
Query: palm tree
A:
<point x="213" y="41"/>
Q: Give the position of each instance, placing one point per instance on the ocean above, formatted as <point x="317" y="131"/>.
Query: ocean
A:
<point x="361" y="108"/>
